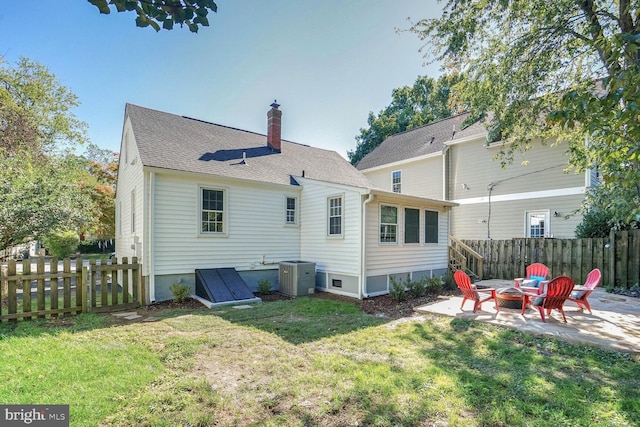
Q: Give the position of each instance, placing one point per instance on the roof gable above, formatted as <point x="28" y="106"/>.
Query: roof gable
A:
<point x="421" y="141"/>
<point x="179" y="143"/>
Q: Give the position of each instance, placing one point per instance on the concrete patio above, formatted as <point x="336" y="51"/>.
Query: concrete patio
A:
<point x="614" y="324"/>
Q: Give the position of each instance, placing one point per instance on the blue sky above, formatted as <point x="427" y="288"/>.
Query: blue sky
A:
<point x="327" y="62"/>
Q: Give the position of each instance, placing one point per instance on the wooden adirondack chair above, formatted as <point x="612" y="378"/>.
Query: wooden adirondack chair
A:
<point x="556" y="294"/>
<point x="538" y="271"/>
<point x="580" y="293"/>
<point x="469" y="291"/>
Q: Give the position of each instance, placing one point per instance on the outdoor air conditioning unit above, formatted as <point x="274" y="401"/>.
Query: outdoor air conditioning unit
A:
<point x="297" y="278"/>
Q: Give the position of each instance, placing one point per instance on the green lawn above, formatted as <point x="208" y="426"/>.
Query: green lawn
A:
<point x="308" y="362"/>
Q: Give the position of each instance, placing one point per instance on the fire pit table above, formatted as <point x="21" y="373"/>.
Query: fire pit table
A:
<point x="509" y="298"/>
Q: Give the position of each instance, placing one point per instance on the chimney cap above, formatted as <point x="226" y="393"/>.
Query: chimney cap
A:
<point x="275" y="104"/>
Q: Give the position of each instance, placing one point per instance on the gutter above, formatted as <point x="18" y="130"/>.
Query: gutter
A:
<point x="363" y="250"/>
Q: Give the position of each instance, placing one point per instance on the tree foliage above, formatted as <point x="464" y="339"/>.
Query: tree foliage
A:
<point x="565" y="71"/>
<point x="39" y="197"/>
<point x="163" y="13"/>
<point x="36" y="110"/>
<point x="39" y="179"/>
<point x="411" y="106"/>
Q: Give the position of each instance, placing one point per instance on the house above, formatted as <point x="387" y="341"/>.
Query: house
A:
<point x="533" y="197"/>
<point x="197" y="195"/>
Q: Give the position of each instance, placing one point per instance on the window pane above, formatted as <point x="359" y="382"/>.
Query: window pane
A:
<point x="396" y="180"/>
<point x="290" y="215"/>
<point x="212" y="213"/>
<point x="389" y="214"/>
<point x="536" y="225"/>
<point x="335" y="216"/>
<point x="430" y="227"/>
<point x="411" y="225"/>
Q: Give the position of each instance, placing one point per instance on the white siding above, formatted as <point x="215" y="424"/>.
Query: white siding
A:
<point x="393" y="258"/>
<point x="256" y="228"/>
<point x="336" y="255"/>
<point x="130" y="178"/>
<point x="535" y="181"/>
<point x="419" y="178"/>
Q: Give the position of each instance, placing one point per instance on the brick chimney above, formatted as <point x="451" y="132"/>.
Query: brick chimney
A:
<point x="274" y="127"/>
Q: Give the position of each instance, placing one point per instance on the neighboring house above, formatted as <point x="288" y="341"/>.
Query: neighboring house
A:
<point x="193" y="194"/>
<point x="532" y="197"/>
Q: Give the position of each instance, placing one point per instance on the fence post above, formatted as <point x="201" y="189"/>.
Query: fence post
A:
<point x="612" y="258"/>
<point x="86" y="308"/>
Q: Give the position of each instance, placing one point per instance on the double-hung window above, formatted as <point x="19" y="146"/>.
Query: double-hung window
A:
<point x="388" y="224"/>
<point x="335" y="216"/>
<point x="212" y="212"/>
<point x="431" y="226"/>
<point x="396" y="181"/>
<point x="290" y="211"/>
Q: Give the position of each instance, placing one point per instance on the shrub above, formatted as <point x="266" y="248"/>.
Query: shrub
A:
<point x="398" y="291"/>
<point x="449" y="284"/>
<point x="264" y="286"/>
<point x="434" y="284"/>
<point x="180" y="292"/>
<point x="418" y="288"/>
<point x="62" y="243"/>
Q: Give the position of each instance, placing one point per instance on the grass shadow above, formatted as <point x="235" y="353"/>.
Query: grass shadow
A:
<point x="302" y="320"/>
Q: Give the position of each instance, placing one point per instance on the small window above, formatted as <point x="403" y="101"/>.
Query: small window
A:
<point x="212" y="212"/>
<point x="396" y="181"/>
<point x="388" y="224"/>
<point x="537" y="224"/>
<point x="430" y="226"/>
<point x="133" y="211"/>
<point x="291" y="210"/>
<point x="411" y="225"/>
<point x="335" y="216"/>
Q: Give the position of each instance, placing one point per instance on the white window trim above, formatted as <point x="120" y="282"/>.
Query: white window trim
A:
<point x="380" y="223"/>
<point x="404" y="225"/>
<point x="296" y="213"/>
<point x="399" y="171"/>
<point x="342" y="216"/>
<point x="547" y="222"/>
<point x="225" y="212"/>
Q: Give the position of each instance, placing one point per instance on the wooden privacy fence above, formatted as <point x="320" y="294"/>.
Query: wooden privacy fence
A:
<point x="618" y="257"/>
<point x="79" y="287"/>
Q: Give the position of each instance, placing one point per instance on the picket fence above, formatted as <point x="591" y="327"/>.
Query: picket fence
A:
<point x="80" y="287"/>
<point x="617" y="257"/>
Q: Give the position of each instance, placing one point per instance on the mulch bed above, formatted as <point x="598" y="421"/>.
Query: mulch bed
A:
<point x="381" y="306"/>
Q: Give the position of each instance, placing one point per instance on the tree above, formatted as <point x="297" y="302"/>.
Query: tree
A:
<point x="36" y="110"/>
<point x="38" y="197"/>
<point x="411" y="106"/>
<point x="565" y="71"/>
<point x="39" y="182"/>
<point x="99" y="184"/>
<point x="154" y="13"/>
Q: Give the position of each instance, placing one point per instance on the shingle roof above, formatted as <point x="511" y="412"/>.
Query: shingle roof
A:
<point x="180" y="143"/>
<point x="421" y="141"/>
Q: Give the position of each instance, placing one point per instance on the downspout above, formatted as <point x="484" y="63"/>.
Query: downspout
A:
<point x="363" y="243"/>
<point x="150" y="252"/>
<point x="445" y="150"/>
<point x="445" y="171"/>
